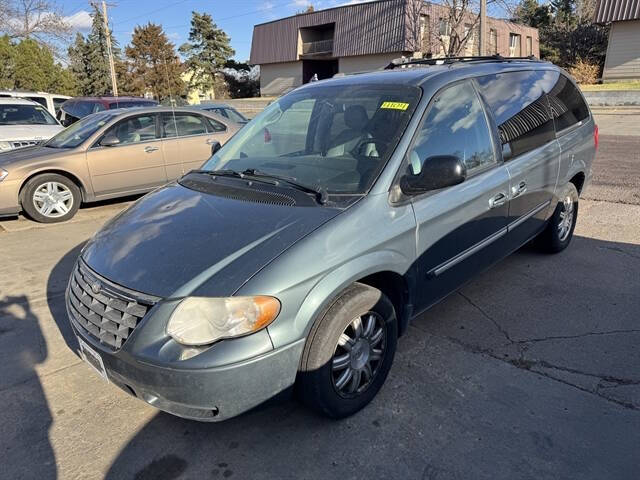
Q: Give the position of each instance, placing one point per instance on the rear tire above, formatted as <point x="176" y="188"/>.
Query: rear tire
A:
<point x="349" y="352"/>
<point x="559" y="231"/>
<point x="50" y="198"/>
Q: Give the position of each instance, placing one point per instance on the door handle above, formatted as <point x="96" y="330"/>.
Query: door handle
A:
<point x="150" y="149"/>
<point x="498" y="200"/>
<point x="519" y="189"/>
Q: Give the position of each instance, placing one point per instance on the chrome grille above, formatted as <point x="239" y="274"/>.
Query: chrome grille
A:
<point x="102" y="310"/>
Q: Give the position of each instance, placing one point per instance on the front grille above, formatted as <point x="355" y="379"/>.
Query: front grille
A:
<point x="104" y="311"/>
<point x="24" y="143"/>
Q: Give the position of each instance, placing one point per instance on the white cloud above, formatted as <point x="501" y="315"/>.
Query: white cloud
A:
<point x="80" y="20"/>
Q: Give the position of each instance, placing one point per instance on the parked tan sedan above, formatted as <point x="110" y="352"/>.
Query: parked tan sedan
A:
<point x="108" y="154"/>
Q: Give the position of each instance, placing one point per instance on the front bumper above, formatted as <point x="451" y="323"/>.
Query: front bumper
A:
<point x="9" y="192"/>
<point x="204" y="392"/>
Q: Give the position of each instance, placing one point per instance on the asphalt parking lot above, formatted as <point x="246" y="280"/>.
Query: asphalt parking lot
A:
<point x="531" y="371"/>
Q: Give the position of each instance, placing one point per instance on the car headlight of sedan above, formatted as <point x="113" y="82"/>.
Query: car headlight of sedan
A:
<point x="4" y="146"/>
<point x="202" y="321"/>
<point x="3" y="174"/>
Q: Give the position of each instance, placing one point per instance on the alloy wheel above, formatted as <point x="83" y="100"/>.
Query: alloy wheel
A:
<point x="566" y="219"/>
<point x="358" y="354"/>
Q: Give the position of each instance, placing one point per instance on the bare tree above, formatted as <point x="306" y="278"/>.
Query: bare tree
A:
<point x="40" y="20"/>
<point x="447" y="28"/>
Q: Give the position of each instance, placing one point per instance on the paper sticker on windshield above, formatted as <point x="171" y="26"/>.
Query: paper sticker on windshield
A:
<point x="395" y="105"/>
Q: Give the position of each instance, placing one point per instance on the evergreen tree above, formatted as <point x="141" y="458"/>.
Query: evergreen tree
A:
<point x="153" y="64"/>
<point x="563" y="10"/>
<point x="206" y="52"/>
<point x="78" y="59"/>
<point x="89" y="59"/>
<point x="34" y="67"/>
<point x="531" y="13"/>
<point x="7" y="59"/>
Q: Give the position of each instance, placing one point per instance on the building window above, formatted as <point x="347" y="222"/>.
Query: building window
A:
<point x="471" y="46"/>
<point x="514" y="45"/>
<point x="425" y="43"/>
<point x="529" y="46"/>
<point x="444" y="28"/>
<point x="493" y="42"/>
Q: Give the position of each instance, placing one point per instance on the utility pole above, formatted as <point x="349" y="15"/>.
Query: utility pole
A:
<point x="483" y="27"/>
<point x="112" y="67"/>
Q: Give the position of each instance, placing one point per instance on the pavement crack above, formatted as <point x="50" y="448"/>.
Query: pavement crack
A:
<point x="581" y="335"/>
<point x="620" y="250"/>
<point x="529" y="365"/>
<point x="487" y="316"/>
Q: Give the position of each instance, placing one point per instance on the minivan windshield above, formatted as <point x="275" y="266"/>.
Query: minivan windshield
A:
<point x="77" y="133"/>
<point x="20" y="114"/>
<point x="335" y="138"/>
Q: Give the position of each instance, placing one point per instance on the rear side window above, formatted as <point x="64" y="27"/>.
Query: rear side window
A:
<point x="57" y="103"/>
<point x="520" y="107"/>
<point x="215" y="126"/>
<point x="182" y="125"/>
<point x="567" y="104"/>
<point x="41" y="100"/>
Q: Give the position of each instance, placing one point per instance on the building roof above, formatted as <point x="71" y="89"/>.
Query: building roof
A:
<point x="617" y="10"/>
<point x="382" y="26"/>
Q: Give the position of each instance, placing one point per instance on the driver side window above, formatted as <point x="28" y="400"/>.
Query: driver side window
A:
<point x="134" y="130"/>
<point x="455" y="125"/>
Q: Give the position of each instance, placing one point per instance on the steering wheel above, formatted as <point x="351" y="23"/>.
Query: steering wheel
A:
<point x="378" y="143"/>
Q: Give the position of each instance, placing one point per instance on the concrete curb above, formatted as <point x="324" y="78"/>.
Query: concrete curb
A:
<point x="613" y="98"/>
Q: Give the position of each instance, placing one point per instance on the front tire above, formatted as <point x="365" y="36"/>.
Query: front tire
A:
<point x="349" y="352"/>
<point x="50" y="198"/>
<point x="559" y="231"/>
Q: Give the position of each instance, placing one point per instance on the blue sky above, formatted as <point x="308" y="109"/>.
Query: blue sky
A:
<point x="236" y="17"/>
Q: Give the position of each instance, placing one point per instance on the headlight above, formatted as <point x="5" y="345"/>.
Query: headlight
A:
<point x="201" y="321"/>
<point x="4" y="146"/>
<point x="3" y="174"/>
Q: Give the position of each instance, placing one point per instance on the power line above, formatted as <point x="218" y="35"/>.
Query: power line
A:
<point x="221" y="19"/>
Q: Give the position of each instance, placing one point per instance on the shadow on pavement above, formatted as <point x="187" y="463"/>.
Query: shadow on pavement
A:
<point x="22" y="348"/>
<point x="56" y="286"/>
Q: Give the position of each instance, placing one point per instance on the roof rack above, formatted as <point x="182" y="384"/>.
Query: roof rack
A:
<point x="403" y="61"/>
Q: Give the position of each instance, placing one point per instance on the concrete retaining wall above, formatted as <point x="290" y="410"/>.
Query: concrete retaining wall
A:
<point x="610" y="98"/>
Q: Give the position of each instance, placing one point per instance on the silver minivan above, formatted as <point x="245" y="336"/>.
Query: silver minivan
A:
<point x="299" y="253"/>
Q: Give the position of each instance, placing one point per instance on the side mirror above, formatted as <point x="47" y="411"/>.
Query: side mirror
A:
<point x="109" y="141"/>
<point x="437" y="172"/>
<point x="215" y="146"/>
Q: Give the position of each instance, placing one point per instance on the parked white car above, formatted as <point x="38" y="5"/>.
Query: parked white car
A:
<point x="51" y="101"/>
<point x="24" y="123"/>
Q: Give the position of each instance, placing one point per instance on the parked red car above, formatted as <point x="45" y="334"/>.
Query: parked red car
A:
<point x="75" y="108"/>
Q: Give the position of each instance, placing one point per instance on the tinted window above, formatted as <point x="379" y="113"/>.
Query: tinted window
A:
<point x="135" y="130"/>
<point x="57" y="102"/>
<point x="181" y="124"/>
<point x="567" y="105"/>
<point x="131" y="104"/>
<point x="519" y="104"/>
<point x="41" y="100"/>
<point x="455" y="125"/>
<point x="82" y="109"/>
<point x="25" y="115"/>
<point x="215" y="126"/>
<point x="234" y="115"/>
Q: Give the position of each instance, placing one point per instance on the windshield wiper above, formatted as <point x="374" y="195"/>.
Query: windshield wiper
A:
<point x="220" y="173"/>
<point x="319" y="193"/>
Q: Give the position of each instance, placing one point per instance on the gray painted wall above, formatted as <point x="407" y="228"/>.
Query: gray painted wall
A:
<point x="362" y="63"/>
<point x="277" y="78"/>
<point x="623" y="52"/>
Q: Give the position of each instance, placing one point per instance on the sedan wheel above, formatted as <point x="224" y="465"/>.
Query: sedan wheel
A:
<point x="53" y="199"/>
<point x="50" y="198"/>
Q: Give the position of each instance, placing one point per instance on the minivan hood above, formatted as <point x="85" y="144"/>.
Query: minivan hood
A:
<point x="28" y="132"/>
<point x="176" y="242"/>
